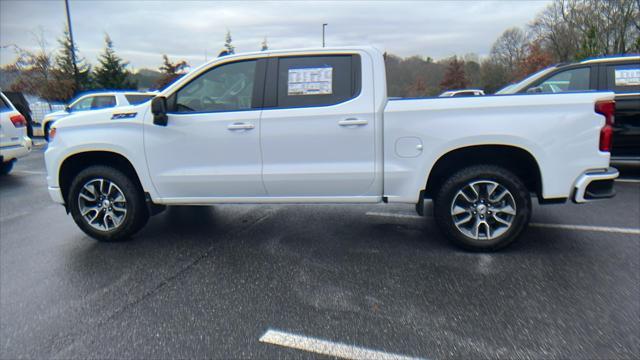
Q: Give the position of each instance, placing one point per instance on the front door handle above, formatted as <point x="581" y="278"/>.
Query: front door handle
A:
<point x="352" y="122"/>
<point x="240" y="126"/>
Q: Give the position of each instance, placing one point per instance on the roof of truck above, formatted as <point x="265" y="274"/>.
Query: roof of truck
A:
<point x="611" y="59"/>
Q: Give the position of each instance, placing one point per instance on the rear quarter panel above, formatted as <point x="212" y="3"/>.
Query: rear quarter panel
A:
<point x="561" y="131"/>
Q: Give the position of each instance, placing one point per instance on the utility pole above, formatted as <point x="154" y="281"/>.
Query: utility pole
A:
<point x="323" y="27"/>
<point x="73" y="48"/>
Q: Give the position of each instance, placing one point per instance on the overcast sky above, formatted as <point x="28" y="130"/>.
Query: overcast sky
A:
<point x="143" y="30"/>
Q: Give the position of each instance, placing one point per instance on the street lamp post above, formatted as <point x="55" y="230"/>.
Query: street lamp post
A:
<point x="73" y="48"/>
<point x="323" y="27"/>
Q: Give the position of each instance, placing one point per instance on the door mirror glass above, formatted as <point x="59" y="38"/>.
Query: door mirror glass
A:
<point x="159" y="110"/>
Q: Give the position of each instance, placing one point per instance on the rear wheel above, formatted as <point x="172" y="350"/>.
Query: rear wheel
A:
<point x="106" y="204"/>
<point x="483" y="208"/>
<point x="5" y="168"/>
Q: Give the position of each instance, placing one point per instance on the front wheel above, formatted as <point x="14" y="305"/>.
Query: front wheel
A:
<point x="483" y="208"/>
<point x="107" y="204"/>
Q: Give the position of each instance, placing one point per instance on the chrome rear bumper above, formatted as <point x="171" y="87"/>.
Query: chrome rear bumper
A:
<point x="595" y="185"/>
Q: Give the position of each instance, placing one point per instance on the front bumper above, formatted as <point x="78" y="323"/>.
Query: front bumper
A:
<point x="56" y="195"/>
<point x="595" y="185"/>
<point x="11" y="152"/>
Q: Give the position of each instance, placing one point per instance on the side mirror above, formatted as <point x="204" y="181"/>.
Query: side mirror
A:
<point x="67" y="109"/>
<point x="159" y="110"/>
<point x="534" y="90"/>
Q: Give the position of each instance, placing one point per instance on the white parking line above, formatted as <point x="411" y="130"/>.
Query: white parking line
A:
<point x="29" y="172"/>
<point x="589" y="228"/>
<point x="635" y="181"/>
<point x="404" y="216"/>
<point x="608" y="229"/>
<point x="325" y="347"/>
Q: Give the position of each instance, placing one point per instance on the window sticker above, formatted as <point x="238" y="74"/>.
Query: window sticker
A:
<point x="310" y="81"/>
<point x="627" y="77"/>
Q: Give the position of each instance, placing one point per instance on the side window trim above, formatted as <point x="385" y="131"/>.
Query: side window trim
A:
<point x="257" y="95"/>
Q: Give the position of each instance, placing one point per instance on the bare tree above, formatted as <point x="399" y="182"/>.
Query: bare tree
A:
<point x="510" y="49"/>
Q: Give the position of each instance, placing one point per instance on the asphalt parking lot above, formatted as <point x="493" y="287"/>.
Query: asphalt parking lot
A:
<point x="360" y="280"/>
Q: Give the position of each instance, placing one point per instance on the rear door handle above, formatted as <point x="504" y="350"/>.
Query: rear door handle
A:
<point x="240" y="126"/>
<point x="352" y="122"/>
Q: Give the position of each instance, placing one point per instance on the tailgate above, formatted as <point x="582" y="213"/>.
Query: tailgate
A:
<point x="9" y="134"/>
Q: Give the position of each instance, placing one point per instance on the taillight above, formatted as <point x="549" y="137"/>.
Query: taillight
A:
<point x="18" y="120"/>
<point x="52" y="133"/>
<point x="608" y="109"/>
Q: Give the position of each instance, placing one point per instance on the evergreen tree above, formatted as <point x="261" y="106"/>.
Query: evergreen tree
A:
<point x="170" y="71"/>
<point x="65" y="71"/>
<point x="264" y="46"/>
<point x="111" y="72"/>
<point x="228" y="46"/>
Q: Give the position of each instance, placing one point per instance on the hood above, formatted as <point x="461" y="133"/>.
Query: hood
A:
<point x="56" y="114"/>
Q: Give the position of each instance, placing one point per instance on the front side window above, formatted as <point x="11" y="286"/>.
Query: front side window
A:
<point x="227" y="87"/>
<point x="103" y="102"/>
<point x="82" y="104"/>
<point x="566" y="81"/>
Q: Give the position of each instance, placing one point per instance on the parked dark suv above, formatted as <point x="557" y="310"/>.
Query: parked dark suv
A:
<point x="618" y="74"/>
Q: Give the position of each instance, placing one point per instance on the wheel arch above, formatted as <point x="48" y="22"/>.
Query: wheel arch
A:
<point x="75" y="163"/>
<point x="514" y="158"/>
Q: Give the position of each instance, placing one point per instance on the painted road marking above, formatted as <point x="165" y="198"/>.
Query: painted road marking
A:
<point x="325" y="347"/>
<point x="29" y="172"/>
<point x="608" y="229"/>
<point x="589" y="228"/>
<point x="628" y="180"/>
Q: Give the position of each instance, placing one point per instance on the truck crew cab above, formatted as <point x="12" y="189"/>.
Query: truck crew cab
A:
<point x="316" y="126"/>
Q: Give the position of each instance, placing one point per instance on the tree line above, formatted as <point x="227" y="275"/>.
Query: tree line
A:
<point x="54" y="76"/>
<point x="565" y="31"/>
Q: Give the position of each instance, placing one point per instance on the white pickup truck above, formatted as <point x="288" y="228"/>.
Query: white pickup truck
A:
<point x="316" y="126"/>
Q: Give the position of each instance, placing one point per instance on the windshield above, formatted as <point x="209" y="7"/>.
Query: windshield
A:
<point x="516" y="87"/>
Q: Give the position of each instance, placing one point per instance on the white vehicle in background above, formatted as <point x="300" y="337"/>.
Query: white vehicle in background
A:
<point x="464" y="92"/>
<point x="14" y="142"/>
<point x="95" y="101"/>
<point x="316" y="126"/>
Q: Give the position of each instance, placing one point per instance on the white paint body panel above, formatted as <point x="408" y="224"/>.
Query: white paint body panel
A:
<point x="560" y="131"/>
<point x="304" y="155"/>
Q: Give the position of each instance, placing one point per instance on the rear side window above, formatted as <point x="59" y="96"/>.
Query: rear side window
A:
<point x="577" y="79"/>
<point x="135" y="99"/>
<point x="623" y="78"/>
<point x="4" y="106"/>
<point x="102" y="102"/>
<point x="317" y="80"/>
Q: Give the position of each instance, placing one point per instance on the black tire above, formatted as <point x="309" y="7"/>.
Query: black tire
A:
<point x="484" y="176"/>
<point x="47" y="128"/>
<point x="136" y="210"/>
<point x="5" y="168"/>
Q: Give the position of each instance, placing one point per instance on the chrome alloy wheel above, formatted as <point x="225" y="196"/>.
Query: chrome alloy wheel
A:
<point x="102" y="204"/>
<point x="483" y="210"/>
